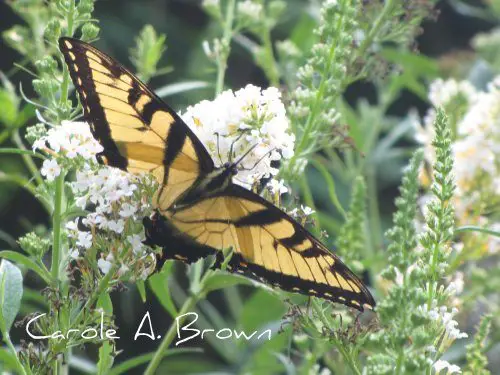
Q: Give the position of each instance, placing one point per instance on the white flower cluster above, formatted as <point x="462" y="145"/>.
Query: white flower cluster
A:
<point x="450" y="369"/>
<point x="250" y="9"/>
<point x="116" y="198"/>
<point x="250" y="119"/>
<point x="445" y="318"/>
<point x="476" y="146"/>
<point x="118" y="207"/>
<point x="70" y="139"/>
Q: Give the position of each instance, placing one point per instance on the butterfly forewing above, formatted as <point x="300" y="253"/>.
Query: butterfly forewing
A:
<point x="138" y="131"/>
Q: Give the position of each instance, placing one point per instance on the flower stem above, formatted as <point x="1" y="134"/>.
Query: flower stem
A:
<point x="167" y="340"/>
<point x="272" y="68"/>
<point x="162" y="349"/>
<point x="65" y="82"/>
<point x="226" y="41"/>
<point x="56" y="229"/>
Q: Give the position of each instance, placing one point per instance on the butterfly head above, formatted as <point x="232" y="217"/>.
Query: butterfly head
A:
<point x="231" y="168"/>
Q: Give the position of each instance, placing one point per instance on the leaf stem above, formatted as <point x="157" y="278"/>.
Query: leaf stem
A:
<point x="28" y="160"/>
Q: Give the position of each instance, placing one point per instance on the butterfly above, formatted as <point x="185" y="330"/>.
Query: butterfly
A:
<point x="199" y="211"/>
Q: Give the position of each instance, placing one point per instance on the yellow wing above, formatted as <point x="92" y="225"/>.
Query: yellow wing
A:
<point x="267" y="244"/>
<point x="138" y="131"/>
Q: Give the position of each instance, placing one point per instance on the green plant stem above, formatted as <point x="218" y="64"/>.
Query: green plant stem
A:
<point x="101" y="288"/>
<point x="340" y="347"/>
<point x="272" y="68"/>
<point x="62" y="366"/>
<point x="56" y="230"/>
<point x="226" y="42"/>
<point x="379" y="22"/>
<point x="28" y="160"/>
<point x="167" y="340"/>
<point x="374" y="210"/>
<point x="11" y="347"/>
<point x="65" y="82"/>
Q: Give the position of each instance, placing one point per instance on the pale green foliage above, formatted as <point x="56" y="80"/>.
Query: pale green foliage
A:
<point x="436" y="241"/>
<point x="352" y="240"/>
<point x="148" y="50"/>
<point x="477" y="361"/>
<point x="398" y="311"/>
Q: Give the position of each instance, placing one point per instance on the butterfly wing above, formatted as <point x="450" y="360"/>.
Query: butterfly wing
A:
<point x="138" y="131"/>
<point x="267" y="244"/>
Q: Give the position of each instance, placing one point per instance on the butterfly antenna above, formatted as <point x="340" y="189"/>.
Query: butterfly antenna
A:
<point x="218" y="148"/>
<point x="245" y="154"/>
<point x="232" y="146"/>
<point x="258" y="161"/>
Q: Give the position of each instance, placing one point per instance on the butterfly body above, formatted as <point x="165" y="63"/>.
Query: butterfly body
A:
<point x="208" y="185"/>
<point x="199" y="210"/>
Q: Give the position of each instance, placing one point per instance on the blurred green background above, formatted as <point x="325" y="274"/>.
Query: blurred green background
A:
<point x="187" y="26"/>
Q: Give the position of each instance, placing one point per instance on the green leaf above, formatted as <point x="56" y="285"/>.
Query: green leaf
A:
<point x="27" y="262"/>
<point x="254" y="316"/>
<point x="159" y="285"/>
<point x="7" y="360"/>
<point x="131" y="363"/>
<point x="330" y="182"/>
<point x="148" y="51"/>
<point x="26" y="113"/>
<point x="224" y="280"/>
<point x="8" y="114"/>
<point x="104" y="302"/>
<point x="418" y="65"/>
<point x="180" y="87"/>
<point x="142" y="289"/>
<point x="7" y="150"/>
<point x="106" y="357"/>
<point x="11" y="292"/>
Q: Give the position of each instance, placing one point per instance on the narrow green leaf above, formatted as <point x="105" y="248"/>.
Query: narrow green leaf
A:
<point x="177" y="88"/>
<point x="27" y="262"/>
<point x="11" y="292"/>
<point x="7" y="360"/>
<point x="473" y="228"/>
<point x="7" y="150"/>
<point x="8" y="114"/>
<point x="159" y="285"/>
<point x="131" y="363"/>
<point x="141" y="287"/>
<point x="26" y="113"/>
<point x="106" y="357"/>
<point x="104" y="302"/>
<point x="330" y="182"/>
<point x="224" y="280"/>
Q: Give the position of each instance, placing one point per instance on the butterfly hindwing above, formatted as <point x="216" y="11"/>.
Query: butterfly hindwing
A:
<point x="268" y="245"/>
<point x="138" y="131"/>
